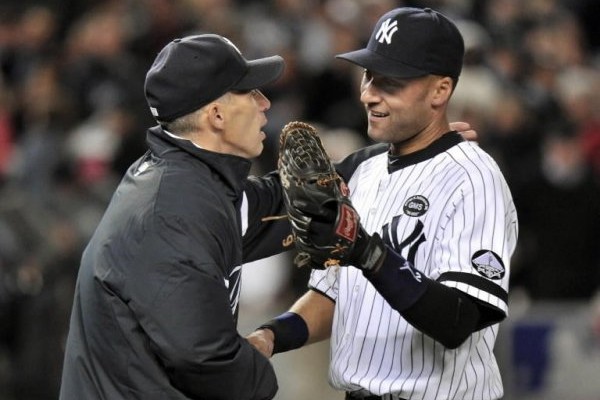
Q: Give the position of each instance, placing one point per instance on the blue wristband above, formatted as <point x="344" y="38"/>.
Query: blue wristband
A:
<point x="290" y="330"/>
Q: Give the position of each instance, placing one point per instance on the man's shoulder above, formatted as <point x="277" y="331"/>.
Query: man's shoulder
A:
<point x="475" y="166"/>
<point x="472" y="157"/>
<point x="349" y="164"/>
<point x="187" y="191"/>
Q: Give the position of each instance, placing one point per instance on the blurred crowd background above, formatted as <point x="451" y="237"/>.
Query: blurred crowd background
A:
<point x="73" y="117"/>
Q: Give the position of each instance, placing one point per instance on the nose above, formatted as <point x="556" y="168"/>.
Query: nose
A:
<point x="368" y="92"/>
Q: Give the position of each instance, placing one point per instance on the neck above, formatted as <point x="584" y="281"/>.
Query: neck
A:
<point x="420" y="140"/>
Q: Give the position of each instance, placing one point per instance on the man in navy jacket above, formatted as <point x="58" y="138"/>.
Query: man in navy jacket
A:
<point x="156" y="303"/>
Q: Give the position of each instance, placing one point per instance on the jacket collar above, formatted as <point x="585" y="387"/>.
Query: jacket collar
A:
<point x="442" y="144"/>
<point x="233" y="170"/>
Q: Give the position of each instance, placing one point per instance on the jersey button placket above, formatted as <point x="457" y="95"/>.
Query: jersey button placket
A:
<point x="383" y="184"/>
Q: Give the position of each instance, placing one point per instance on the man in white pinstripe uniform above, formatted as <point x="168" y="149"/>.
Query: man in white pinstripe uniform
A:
<point x="423" y="324"/>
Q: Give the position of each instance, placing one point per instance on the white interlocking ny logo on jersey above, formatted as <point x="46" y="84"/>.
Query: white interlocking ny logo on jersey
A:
<point x="414" y="240"/>
<point x="386" y="31"/>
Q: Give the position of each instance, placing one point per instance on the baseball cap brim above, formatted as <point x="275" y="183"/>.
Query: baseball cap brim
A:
<point x="260" y="72"/>
<point x="375" y="62"/>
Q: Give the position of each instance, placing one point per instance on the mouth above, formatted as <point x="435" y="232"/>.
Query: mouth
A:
<point x="264" y="121"/>
<point x="377" y="114"/>
<point x="261" y="130"/>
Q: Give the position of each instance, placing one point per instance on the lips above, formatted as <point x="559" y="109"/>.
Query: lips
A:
<point x="378" y="114"/>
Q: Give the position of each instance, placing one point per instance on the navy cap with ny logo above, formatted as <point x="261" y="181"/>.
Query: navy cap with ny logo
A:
<point x="410" y="42"/>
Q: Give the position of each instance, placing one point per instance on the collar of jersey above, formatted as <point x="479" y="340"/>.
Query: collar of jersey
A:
<point x="442" y="144"/>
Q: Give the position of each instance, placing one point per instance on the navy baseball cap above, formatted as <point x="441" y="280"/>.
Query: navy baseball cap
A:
<point x="410" y="42"/>
<point x="190" y="72"/>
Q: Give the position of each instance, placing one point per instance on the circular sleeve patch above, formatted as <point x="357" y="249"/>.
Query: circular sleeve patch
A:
<point x="488" y="264"/>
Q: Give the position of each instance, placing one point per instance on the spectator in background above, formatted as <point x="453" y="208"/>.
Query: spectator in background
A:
<point x="102" y="73"/>
<point x="513" y="139"/>
<point x="560" y="225"/>
<point x="7" y="132"/>
<point x="330" y="94"/>
<point x="30" y="41"/>
<point x="154" y="23"/>
<point x="45" y="115"/>
<point x="577" y="90"/>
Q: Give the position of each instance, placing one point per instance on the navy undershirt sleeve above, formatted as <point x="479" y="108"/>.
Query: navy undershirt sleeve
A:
<point x="443" y="313"/>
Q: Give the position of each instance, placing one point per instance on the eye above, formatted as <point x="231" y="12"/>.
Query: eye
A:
<point x="392" y="83"/>
<point x="386" y="84"/>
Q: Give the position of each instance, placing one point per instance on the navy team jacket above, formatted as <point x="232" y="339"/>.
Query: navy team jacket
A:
<point x="155" y="308"/>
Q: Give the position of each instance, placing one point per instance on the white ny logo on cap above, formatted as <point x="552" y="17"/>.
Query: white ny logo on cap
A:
<point x="386" y="31"/>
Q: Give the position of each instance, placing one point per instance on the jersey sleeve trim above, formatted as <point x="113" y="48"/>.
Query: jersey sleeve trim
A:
<point x="474" y="286"/>
<point x="321" y="292"/>
<point x="479" y="283"/>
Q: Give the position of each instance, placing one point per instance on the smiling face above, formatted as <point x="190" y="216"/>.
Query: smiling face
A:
<point x="408" y="113"/>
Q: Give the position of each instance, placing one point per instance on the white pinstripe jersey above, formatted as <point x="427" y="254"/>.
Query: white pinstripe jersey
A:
<point x="448" y="210"/>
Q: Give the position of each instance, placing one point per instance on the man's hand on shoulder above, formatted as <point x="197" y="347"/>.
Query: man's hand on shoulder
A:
<point x="464" y="128"/>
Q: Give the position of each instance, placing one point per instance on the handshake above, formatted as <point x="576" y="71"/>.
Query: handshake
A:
<point x="325" y="225"/>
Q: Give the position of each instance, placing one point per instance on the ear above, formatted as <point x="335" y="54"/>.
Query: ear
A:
<point x="215" y="114"/>
<point x="442" y="91"/>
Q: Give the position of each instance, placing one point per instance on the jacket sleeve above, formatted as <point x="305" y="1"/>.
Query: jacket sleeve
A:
<point x="265" y="225"/>
<point x="182" y="302"/>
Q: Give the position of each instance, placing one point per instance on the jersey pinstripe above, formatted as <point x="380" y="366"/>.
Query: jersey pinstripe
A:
<point x="448" y="210"/>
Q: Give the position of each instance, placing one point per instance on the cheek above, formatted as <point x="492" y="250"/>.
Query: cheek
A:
<point x="248" y="119"/>
<point x="252" y="144"/>
<point x="249" y="130"/>
<point x="243" y="125"/>
<point x="407" y="109"/>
